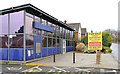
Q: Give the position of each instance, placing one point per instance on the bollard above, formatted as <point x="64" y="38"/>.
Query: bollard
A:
<point x="73" y="57"/>
<point x="54" y="57"/>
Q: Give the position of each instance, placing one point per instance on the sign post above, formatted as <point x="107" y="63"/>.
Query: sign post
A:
<point x="95" y="43"/>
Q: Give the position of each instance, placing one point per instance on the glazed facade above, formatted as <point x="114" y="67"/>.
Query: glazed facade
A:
<point x="25" y="36"/>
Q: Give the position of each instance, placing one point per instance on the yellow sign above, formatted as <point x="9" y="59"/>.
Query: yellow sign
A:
<point x="95" y="41"/>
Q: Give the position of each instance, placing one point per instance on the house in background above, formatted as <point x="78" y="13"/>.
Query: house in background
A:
<point x="83" y="32"/>
<point x="77" y="28"/>
<point x="79" y="31"/>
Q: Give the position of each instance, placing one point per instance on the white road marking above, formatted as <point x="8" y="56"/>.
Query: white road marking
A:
<point x="13" y="68"/>
<point x="87" y="70"/>
<point x="112" y="71"/>
<point x="58" y="68"/>
<point x="32" y="68"/>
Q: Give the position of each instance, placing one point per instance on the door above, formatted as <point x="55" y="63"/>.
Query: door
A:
<point x="37" y="46"/>
<point x="64" y="46"/>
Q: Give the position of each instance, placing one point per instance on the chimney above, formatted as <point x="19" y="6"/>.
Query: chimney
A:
<point x="65" y="22"/>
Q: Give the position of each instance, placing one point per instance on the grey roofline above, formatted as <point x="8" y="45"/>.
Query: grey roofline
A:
<point x="25" y="6"/>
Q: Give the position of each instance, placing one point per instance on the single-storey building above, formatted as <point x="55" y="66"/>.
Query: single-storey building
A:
<point x="28" y="33"/>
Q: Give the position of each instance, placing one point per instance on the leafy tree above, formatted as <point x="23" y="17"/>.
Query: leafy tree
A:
<point x="84" y="40"/>
<point x="106" y="39"/>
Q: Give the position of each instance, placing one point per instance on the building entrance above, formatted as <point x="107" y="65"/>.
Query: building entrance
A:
<point x="64" y="46"/>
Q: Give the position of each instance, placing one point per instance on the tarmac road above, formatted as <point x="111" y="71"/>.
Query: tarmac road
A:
<point x="22" y="68"/>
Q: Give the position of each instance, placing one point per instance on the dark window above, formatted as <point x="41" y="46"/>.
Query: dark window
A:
<point x="49" y="34"/>
<point x="17" y="22"/>
<point x="4" y="24"/>
<point x="50" y="42"/>
<point x="37" y="32"/>
<point x="29" y="41"/>
<point x="44" y="41"/>
<point x="44" y="33"/>
<point x="54" y="42"/>
<point x="3" y="41"/>
<point x="57" y="42"/>
<point x="16" y="41"/>
<point x="67" y="43"/>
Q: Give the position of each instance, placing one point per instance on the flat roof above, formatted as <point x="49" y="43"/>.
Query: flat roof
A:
<point x="37" y="12"/>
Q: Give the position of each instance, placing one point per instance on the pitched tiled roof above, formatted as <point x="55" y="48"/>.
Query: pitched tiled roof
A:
<point x="75" y="26"/>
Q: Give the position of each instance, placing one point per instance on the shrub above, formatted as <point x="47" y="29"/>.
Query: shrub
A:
<point x="106" y="39"/>
<point x="108" y="50"/>
<point x="89" y="51"/>
<point x="80" y="47"/>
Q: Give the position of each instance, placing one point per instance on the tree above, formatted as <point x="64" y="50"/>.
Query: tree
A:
<point x="106" y="39"/>
<point x="85" y="40"/>
<point x="113" y="33"/>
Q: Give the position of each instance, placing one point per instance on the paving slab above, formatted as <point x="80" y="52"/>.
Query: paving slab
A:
<point x="107" y="61"/>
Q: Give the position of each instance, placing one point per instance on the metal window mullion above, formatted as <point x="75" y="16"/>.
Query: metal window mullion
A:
<point x="34" y="36"/>
<point x="52" y="43"/>
<point x="8" y="34"/>
<point x="24" y="36"/>
<point x="56" y="37"/>
<point x="62" y="32"/>
<point x="65" y="34"/>
<point x="47" y="43"/>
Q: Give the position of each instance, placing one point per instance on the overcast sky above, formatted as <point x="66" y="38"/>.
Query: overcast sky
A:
<point x="96" y="15"/>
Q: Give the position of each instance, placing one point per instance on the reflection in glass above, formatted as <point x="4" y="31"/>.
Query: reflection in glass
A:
<point x="29" y="41"/>
<point x="29" y="25"/>
<point x="54" y="42"/>
<point x="4" y="24"/>
<point x="16" y="41"/>
<point x="17" y="22"/>
<point x="49" y="42"/>
<point x="44" y="41"/>
<point x="57" y="42"/>
<point x="49" y="34"/>
<point x="3" y="41"/>
<point x="37" y="19"/>
<point x="43" y="21"/>
<point x="57" y="31"/>
<point x="61" y="32"/>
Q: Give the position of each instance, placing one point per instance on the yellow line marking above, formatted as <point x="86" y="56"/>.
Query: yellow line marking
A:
<point x="34" y="70"/>
<point x="30" y="70"/>
<point x="51" y="71"/>
<point x="35" y="65"/>
<point x="59" y="71"/>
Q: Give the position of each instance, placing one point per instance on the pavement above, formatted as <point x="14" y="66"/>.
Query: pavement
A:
<point x="82" y="61"/>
